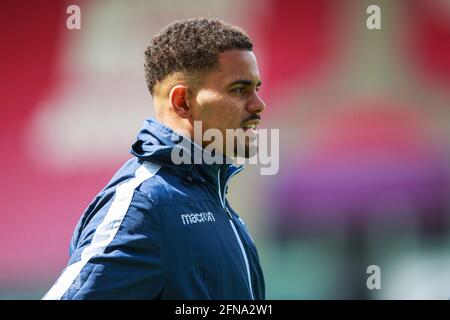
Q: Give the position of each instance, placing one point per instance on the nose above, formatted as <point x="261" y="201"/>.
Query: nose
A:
<point x="256" y="105"/>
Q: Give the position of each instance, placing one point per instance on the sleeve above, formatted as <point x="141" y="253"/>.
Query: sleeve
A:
<point x="118" y="255"/>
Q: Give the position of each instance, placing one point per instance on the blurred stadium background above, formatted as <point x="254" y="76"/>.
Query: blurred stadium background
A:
<point x="364" y="119"/>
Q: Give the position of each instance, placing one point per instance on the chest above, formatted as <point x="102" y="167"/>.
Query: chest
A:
<point x="205" y="250"/>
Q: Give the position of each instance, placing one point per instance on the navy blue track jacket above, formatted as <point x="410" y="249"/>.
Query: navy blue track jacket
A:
<point x="162" y="231"/>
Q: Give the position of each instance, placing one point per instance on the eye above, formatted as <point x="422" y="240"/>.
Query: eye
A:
<point x="239" y="90"/>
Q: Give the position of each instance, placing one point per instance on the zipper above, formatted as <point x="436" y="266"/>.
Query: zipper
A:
<point x="230" y="219"/>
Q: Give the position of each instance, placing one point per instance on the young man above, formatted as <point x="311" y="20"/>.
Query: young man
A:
<point x="161" y="230"/>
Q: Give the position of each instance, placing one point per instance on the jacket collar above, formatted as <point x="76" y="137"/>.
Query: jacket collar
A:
<point x="155" y="143"/>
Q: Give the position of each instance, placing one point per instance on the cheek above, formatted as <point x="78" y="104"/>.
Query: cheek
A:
<point x="217" y="111"/>
<point x="207" y="98"/>
<point x="208" y="103"/>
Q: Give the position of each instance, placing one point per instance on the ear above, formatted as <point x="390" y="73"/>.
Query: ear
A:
<point x="179" y="101"/>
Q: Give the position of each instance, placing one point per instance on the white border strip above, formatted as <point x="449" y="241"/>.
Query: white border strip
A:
<point x="105" y="232"/>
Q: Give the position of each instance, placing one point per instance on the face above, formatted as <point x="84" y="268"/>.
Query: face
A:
<point x="228" y="99"/>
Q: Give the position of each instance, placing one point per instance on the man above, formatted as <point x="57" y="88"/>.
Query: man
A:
<point x="161" y="230"/>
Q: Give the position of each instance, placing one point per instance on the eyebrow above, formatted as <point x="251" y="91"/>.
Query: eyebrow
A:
<point x="243" y="82"/>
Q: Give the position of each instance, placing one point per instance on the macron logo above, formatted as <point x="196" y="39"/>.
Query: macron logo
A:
<point x="197" y="217"/>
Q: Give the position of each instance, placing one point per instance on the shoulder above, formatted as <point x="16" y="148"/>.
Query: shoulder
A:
<point x="154" y="184"/>
<point x="163" y="187"/>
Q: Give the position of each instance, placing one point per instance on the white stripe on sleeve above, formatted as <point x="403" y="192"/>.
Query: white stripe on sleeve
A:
<point x="105" y="232"/>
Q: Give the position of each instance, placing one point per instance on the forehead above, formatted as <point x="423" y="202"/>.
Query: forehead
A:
<point x="235" y="65"/>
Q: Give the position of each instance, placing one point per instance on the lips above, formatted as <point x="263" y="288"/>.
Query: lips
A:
<point x="251" y="127"/>
<point x="250" y="124"/>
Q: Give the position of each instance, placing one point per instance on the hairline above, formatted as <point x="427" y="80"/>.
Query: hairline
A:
<point x="197" y="77"/>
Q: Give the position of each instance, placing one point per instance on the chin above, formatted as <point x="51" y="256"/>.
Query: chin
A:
<point x="246" y="151"/>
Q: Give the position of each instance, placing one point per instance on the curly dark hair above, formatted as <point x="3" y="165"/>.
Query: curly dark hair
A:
<point x="191" y="46"/>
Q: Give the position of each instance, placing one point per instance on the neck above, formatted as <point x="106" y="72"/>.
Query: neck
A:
<point x="183" y="127"/>
<point x="165" y="115"/>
